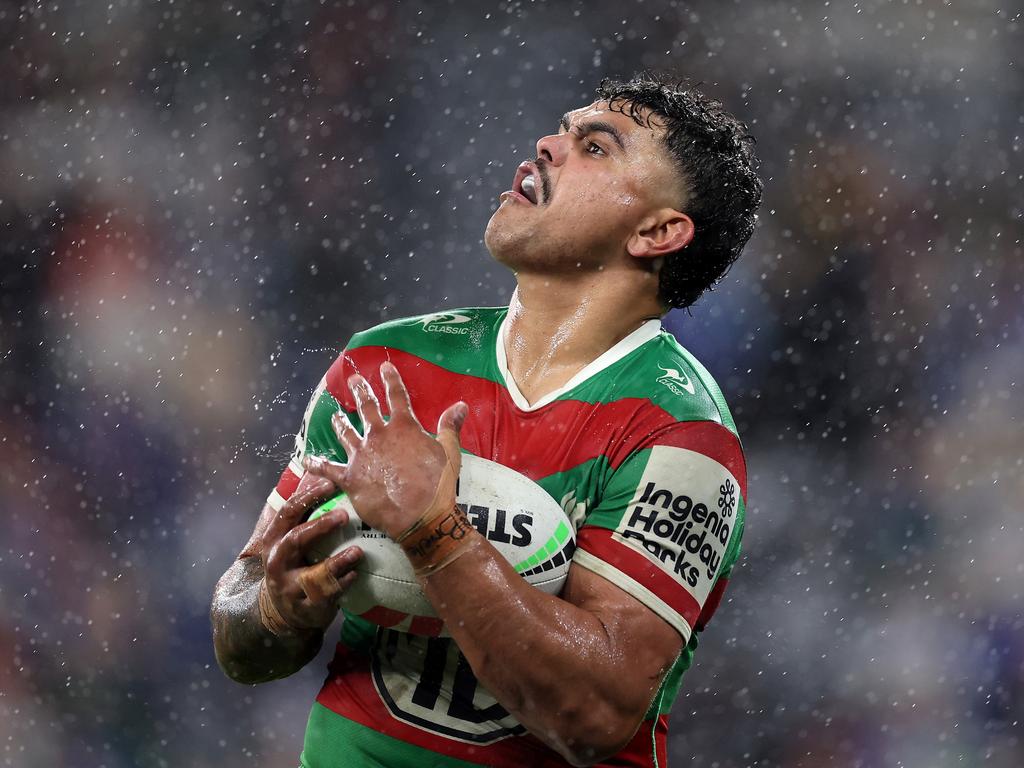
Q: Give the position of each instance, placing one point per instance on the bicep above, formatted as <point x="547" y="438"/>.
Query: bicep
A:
<point x="644" y="646"/>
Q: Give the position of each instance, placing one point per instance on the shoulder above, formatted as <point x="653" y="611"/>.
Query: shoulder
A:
<point x="693" y="424"/>
<point x="673" y="380"/>
<point x="466" y="324"/>
<point x="452" y="341"/>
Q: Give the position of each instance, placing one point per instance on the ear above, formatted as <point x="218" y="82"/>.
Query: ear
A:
<point x="664" y="231"/>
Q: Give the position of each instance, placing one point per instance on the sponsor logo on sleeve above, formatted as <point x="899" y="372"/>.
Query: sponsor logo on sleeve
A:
<point x="445" y="322"/>
<point x="681" y="516"/>
<point x="677" y="381"/>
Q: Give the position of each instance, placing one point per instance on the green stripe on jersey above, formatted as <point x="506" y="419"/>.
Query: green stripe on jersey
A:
<point x="320" y="437"/>
<point x="710" y="384"/>
<point x="662" y="704"/>
<point x="664" y="373"/>
<point x="357" y="633"/>
<point x="461" y="340"/>
<point x="333" y="741"/>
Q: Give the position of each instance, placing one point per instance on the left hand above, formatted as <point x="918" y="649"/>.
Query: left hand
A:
<point x="395" y="466"/>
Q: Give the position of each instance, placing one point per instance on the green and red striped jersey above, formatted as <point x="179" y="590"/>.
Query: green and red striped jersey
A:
<point x="640" y="450"/>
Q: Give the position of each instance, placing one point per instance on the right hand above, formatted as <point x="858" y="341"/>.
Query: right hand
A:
<point x="306" y="596"/>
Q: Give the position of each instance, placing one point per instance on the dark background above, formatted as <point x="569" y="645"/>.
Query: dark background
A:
<point x="201" y="201"/>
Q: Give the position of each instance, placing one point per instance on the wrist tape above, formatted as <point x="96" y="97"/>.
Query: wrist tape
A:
<point x="270" y="616"/>
<point x="319" y="583"/>
<point x="438" y="538"/>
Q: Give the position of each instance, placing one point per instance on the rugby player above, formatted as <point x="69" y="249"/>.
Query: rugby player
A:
<point x="639" y="202"/>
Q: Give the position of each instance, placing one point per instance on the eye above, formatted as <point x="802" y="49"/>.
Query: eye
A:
<point x="594" y="149"/>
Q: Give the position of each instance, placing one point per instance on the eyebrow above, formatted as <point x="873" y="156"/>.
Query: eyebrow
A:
<point x="597" y="126"/>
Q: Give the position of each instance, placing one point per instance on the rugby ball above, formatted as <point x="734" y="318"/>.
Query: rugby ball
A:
<point x="523" y="522"/>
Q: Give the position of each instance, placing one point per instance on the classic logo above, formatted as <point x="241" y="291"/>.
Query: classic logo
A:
<point x="676" y="380"/>
<point x="446" y="322"/>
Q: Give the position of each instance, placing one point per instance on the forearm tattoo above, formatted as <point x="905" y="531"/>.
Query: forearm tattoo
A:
<point x="438" y="542"/>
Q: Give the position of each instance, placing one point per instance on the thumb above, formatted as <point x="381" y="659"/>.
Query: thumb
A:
<point x="449" y="427"/>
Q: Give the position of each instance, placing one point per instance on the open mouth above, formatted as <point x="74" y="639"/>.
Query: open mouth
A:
<point x="527" y="183"/>
<point x="528" y="188"/>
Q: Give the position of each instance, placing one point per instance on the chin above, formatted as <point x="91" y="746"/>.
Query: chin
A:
<point x="503" y="240"/>
<point x="522" y="244"/>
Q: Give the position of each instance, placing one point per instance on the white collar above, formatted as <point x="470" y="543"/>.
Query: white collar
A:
<point x="649" y="330"/>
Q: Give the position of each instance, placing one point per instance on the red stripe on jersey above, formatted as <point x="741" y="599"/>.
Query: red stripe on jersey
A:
<point x="384" y="617"/>
<point x="711" y="440"/>
<point x="337" y="381"/>
<point x="660" y="739"/>
<point x="287" y="484"/>
<point x="531" y="442"/>
<point x="349" y="691"/>
<point x="426" y="625"/>
<point x="599" y="542"/>
<point x="711" y="604"/>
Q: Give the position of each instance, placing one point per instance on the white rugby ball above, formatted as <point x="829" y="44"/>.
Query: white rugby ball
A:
<point x="515" y="514"/>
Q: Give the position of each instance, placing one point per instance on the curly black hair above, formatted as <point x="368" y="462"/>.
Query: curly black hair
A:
<point x="714" y="154"/>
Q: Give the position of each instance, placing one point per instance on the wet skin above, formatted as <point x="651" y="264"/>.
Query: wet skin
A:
<point x="579" y="670"/>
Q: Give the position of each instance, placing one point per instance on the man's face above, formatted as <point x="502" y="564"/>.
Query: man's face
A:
<point x="592" y="185"/>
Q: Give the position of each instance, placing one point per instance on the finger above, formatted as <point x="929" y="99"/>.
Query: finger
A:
<point x="449" y="427"/>
<point x="397" y="395"/>
<point x="346" y="433"/>
<point x="322" y="583"/>
<point x="310" y="494"/>
<point x="366" y="402"/>
<point x="296" y="541"/>
<point x="330" y="470"/>
<point x="319" y="583"/>
<point x="344" y="562"/>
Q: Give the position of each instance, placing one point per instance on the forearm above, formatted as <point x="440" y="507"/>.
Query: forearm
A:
<point x="551" y="664"/>
<point x="246" y="650"/>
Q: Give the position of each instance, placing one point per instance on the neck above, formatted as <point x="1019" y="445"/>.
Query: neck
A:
<point x="557" y="325"/>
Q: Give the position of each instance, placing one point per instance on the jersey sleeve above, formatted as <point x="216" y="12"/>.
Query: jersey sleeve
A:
<point x="316" y="435"/>
<point x="668" y="524"/>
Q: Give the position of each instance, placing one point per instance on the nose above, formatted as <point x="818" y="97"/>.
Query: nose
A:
<point x="553" y="148"/>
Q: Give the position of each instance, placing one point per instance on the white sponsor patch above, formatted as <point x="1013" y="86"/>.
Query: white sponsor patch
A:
<point x="681" y="516"/>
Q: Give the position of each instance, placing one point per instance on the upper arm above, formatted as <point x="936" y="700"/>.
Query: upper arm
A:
<point x="642" y="643"/>
<point x="654" y="553"/>
<point x="667" y="527"/>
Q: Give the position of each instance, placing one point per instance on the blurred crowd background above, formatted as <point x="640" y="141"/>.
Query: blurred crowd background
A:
<point x="201" y="201"/>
